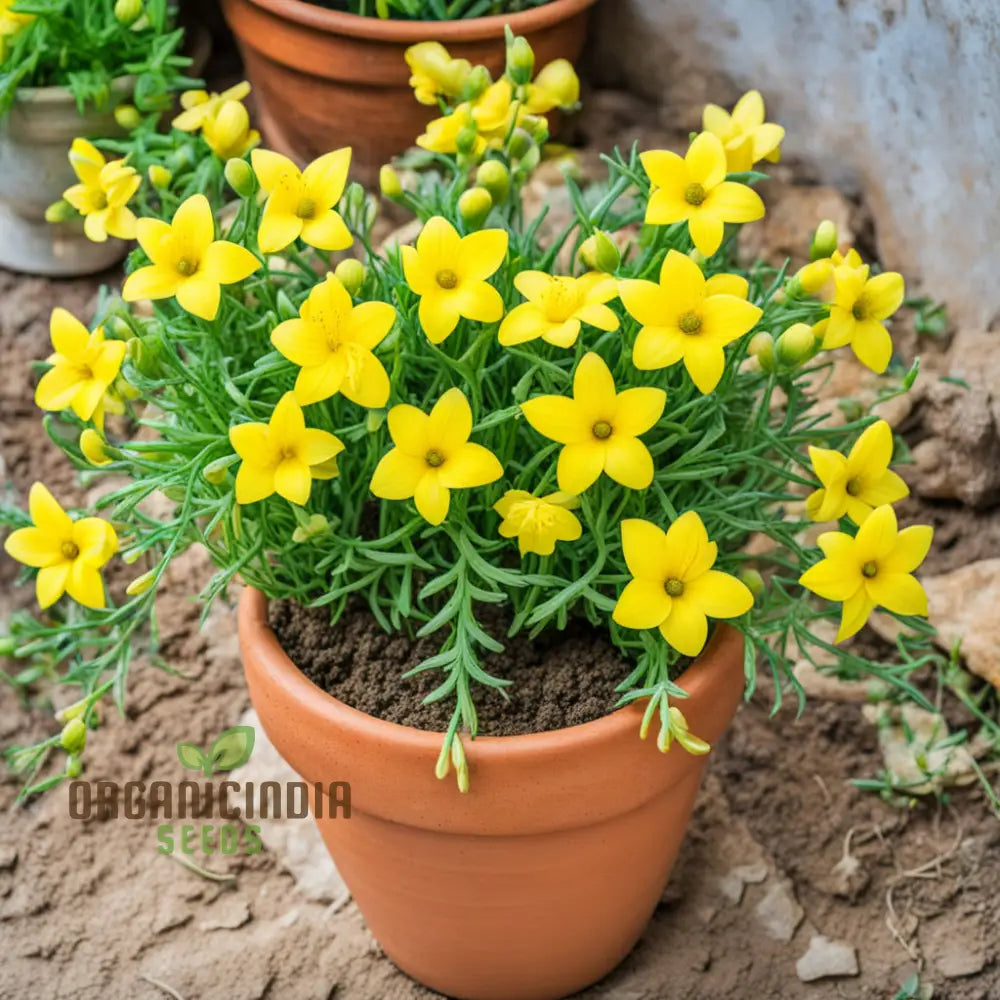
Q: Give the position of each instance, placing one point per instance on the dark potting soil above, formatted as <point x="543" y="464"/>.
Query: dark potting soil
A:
<point x="559" y="679"/>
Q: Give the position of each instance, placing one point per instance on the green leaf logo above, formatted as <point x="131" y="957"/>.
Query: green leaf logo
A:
<point x="232" y="749"/>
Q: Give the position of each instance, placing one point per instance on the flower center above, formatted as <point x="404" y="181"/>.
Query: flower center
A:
<point x="287" y="453"/>
<point x="100" y="201"/>
<point x="869" y="569"/>
<point x="602" y="430"/>
<point x="695" y="194"/>
<point x="306" y="209"/>
<point x="853" y="487"/>
<point x="446" y="278"/>
<point x="434" y="458"/>
<point x="674" y="587"/>
<point x="561" y="299"/>
<point x="70" y="550"/>
<point x="860" y="310"/>
<point x="689" y="323"/>
<point x="186" y="267"/>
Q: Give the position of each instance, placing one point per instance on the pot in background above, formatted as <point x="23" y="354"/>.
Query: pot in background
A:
<point x="325" y="79"/>
<point x="35" y="137"/>
<point x="541" y="878"/>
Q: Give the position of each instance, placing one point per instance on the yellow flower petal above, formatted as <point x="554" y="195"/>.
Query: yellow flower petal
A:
<point x="293" y="481"/>
<point x="95" y="539"/>
<point x="580" y="465"/>
<point x="558" y="418"/>
<point x="470" y="465"/>
<point x="33" y="547"/>
<point x="832" y="579"/>
<point x="50" y="584"/>
<point x="647" y="301"/>
<point x="226" y="263"/>
<point x="719" y="594"/>
<point x="278" y="228"/>
<point x="657" y="347"/>
<point x="409" y="429"/>
<point x="872" y="451"/>
<point x="151" y="282"/>
<point x="688" y="552"/>
<point x="706" y="231"/>
<point x="432" y="498"/>
<point x="911" y="548"/>
<point x="439" y="315"/>
<point x="897" y="592"/>
<point x="855" y="614"/>
<point x="706" y="161"/>
<point x="665" y="169"/>
<point x="642" y="604"/>
<point x="726" y="317"/>
<point x="686" y="628"/>
<point x="253" y="482"/>
<point x="327" y="232"/>
<point x="478" y="301"/>
<point x="705" y="362"/>
<point x="732" y="202"/>
<point x="449" y="423"/>
<point x="884" y="294"/>
<point x="397" y="475"/>
<point x="644" y="549"/>
<point x="194" y="223"/>
<point x="47" y="514"/>
<point x="594" y="388"/>
<point x="84" y="585"/>
<point x="876" y="538"/>
<point x="627" y="461"/>
<point x="872" y="345"/>
<point x="273" y="170"/>
<point x="325" y="178"/>
<point x="367" y="382"/>
<point x="483" y="252"/>
<point x="199" y="295"/>
<point x="69" y="336"/>
<point x="727" y="284"/>
<point x="748" y="112"/>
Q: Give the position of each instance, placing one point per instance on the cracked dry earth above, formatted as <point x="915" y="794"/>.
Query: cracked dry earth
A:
<point x="786" y="866"/>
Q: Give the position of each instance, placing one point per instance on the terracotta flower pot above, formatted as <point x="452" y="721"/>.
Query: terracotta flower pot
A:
<point x="325" y="79"/>
<point x="538" y="881"/>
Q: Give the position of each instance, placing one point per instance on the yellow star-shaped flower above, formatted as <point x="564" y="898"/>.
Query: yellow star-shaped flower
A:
<point x="674" y="587"/>
<point x="538" y="522"/>
<point x="557" y="305"/>
<point x="332" y="341"/>
<point x="855" y="484"/>
<point x="746" y="136"/>
<point x="694" y="188"/>
<point x="68" y="554"/>
<point x="188" y="262"/>
<point x="432" y="456"/>
<point x="599" y="428"/>
<point x="302" y="203"/>
<point x="282" y="456"/>
<point x="449" y="274"/>
<point x="860" y="306"/>
<point x="688" y="318"/>
<point x="103" y="193"/>
<point x="872" y="569"/>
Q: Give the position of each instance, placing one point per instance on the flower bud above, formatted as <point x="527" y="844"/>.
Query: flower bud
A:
<point x="128" y="11"/>
<point x="795" y="345"/>
<point x="476" y="83"/>
<point x="824" y="241"/>
<point x="175" y="492"/>
<point x="761" y="347"/>
<point x="599" y="252"/>
<point x="465" y="141"/>
<point x="8" y="646"/>
<point x="495" y="177"/>
<point x="460" y="763"/>
<point x="92" y="447"/>
<point x="145" y="354"/>
<point x="216" y="472"/>
<point x="374" y="419"/>
<point x="810" y="279"/>
<point x="474" y="206"/>
<point x="388" y="181"/>
<point x="74" y="736"/>
<point x="520" y="143"/>
<point x="693" y="744"/>
<point x="354" y="199"/>
<point x="127" y="116"/>
<point x="141" y="583"/>
<point x="60" y="211"/>
<point x="74" y="767"/>
<point x="754" y="582"/>
<point x="520" y="60"/>
<point x="240" y="177"/>
<point x="228" y="131"/>
<point x="316" y="524"/>
<point x="560" y="83"/>
<point x="537" y="126"/>
<point x="351" y="273"/>
<point x="159" y="176"/>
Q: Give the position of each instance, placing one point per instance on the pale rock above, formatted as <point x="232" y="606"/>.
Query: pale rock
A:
<point x="974" y="356"/>
<point x="737" y="879"/>
<point x="228" y="916"/>
<point x="962" y="606"/>
<point x="779" y="912"/>
<point x="170" y="913"/>
<point x="910" y="739"/>
<point x="955" y="946"/>
<point x="825" y="958"/>
<point x="296" y="843"/>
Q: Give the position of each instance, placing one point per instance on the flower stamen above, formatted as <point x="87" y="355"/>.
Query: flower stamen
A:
<point x="674" y="587"/>
<point x="186" y="267"/>
<point x="602" y="430"/>
<point x="434" y="458"/>
<point x="446" y="278"/>
<point x="70" y="550"/>
<point x="689" y="323"/>
<point x="306" y="209"/>
<point x="869" y="569"/>
<point x="695" y="194"/>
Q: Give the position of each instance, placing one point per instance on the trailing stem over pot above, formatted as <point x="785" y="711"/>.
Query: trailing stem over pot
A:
<point x="593" y="425"/>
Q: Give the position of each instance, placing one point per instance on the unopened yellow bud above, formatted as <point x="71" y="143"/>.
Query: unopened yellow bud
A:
<point x="240" y="177"/>
<point x="60" y="211"/>
<point x="476" y="82"/>
<point x="521" y="144"/>
<point x="495" y="177"/>
<point x="74" y="736"/>
<point x="73" y="711"/>
<point x="443" y="765"/>
<point x="74" y="767"/>
<point x="761" y="347"/>
<point x="537" y="126"/>
<point x="559" y="83"/>
<point x="693" y="744"/>
<point x="599" y="252"/>
<point x="128" y="11"/>
<point x="217" y="471"/>
<point x="159" y="176"/>
<point x="824" y="241"/>
<point x="753" y="581"/>
<point x="315" y="525"/>
<point x="460" y="764"/>
<point x="92" y="446"/>
<point x="228" y="132"/>
<point x="474" y="206"/>
<point x="795" y="345"/>
<point x="374" y="420"/>
<point x="141" y="583"/>
<point x="810" y="279"/>
<point x="351" y="274"/>
<point x="468" y="135"/>
<point x="520" y="60"/>
<point x="388" y="181"/>
<point x="127" y="116"/>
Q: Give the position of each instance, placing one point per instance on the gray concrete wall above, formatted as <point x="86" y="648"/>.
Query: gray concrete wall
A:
<point x="896" y="99"/>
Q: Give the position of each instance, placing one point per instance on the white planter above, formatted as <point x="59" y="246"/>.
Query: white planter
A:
<point x="35" y="137"/>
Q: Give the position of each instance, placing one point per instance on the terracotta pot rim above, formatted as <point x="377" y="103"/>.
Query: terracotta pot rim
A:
<point x="698" y="680"/>
<point x="374" y="28"/>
